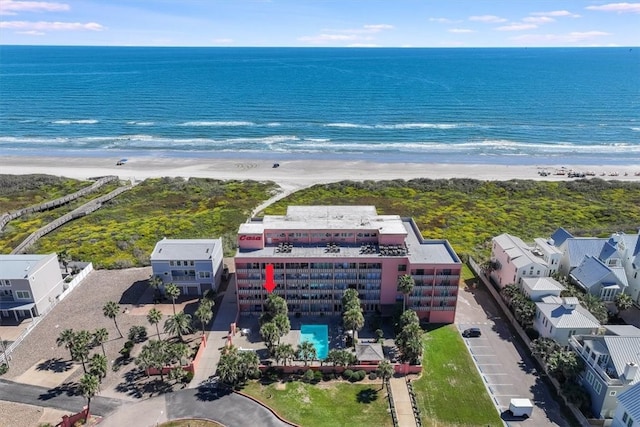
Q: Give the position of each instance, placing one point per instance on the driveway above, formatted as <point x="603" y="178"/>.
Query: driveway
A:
<point x="503" y="362"/>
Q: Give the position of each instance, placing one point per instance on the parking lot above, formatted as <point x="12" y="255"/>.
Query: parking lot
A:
<point x="505" y="366"/>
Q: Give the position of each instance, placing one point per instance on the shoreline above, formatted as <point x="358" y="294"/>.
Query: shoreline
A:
<point x="296" y="173"/>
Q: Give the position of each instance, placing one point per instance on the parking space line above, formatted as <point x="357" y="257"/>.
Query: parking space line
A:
<point x="490" y="364"/>
<point x="498" y="384"/>
<point x="495" y="373"/>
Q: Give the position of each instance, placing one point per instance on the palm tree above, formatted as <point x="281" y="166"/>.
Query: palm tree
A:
<point x="284" y="352"/>
<point x="384" y="371"/>
<point x="306" y="351"/>
<point x="173" y="292"/>
<point x="204" y="313"/>
<point x="229" y="366"/>
<point x="350" y="299"/>
<point x="154" y="317"/>
<point x="89" y="386"/>
<point x="510" y="291"/>
<point x="270" y="334"/>
<point x="111" y="310"/>
<point x="283" y="324"/>
<point x="405" y="285"/>
<point x="595" y="307"/>
<point x="66" y="339"/>
<point x="64" y="258"/>
<point x="178" y="324"/>
<point x="353" y="320"/>
<point x="544" y="347"/>
<point x="623" y="302"/>
<point x="80" y="347"/>
<point x="248" y="363"/>
<point x="100" y="336"/>
<point x="155" y="282"/>
<point x="409" y="342"/>
<point x="273" y="305"/>
<point x="98" y="365"/>
<point x="155" y="354"/>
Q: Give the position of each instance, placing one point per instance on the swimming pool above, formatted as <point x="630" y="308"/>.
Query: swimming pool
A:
<point x="318" y="335"/>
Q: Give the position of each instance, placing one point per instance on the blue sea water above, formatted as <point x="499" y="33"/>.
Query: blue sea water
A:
<point x="524" y="106"/>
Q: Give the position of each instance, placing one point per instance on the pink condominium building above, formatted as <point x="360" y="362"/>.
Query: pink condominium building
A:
<point x="319" y="251"/>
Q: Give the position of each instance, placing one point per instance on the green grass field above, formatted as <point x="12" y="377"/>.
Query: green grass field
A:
<point x="326" y="404"/>
<point x="450" y="391"/>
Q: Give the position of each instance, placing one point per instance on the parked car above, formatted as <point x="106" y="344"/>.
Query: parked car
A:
<point x="471" y="332"/>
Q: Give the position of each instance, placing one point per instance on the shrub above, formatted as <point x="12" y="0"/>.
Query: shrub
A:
<point x="126" y="350"/>
<point x="4" y="368"/>
<point x="373" y="376"/>
<point x="359" y="375"/>
<point x="317" y="376"/>
<point x="308" y="376"/>
<point x="347" y="374"/>
<point x="188" y="377"/>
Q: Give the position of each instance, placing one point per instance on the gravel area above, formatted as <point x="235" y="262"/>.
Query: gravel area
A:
<point x="17" y="414"/>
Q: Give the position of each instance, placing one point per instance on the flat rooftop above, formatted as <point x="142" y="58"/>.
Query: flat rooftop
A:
<point x="185" y="249"/>
<point x="327" y="218"/>
<point x="419" y="251"/>
<point x="18" y="266"/>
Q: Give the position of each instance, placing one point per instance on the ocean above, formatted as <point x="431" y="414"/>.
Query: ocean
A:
<point x="505" y="106"/>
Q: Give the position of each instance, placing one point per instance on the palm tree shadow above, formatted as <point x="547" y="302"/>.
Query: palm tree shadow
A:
<point x="367" y="395"/>
<point x="68" y="388"/>
<point x="55" y="365"/>
<point x="208" y="393"/>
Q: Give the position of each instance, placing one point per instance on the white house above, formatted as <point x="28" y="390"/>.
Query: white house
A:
<point x="611" y="368"/>
<point x="29" y="284"/>
<point x="628" y="411"/>
<point x="537" y="287"/>
<point x="560" y="318"/>
<point x="513" y="260"/>
<point x="194" y="265"/>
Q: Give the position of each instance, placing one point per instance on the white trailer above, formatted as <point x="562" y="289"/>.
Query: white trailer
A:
<point x="520" y="407"/>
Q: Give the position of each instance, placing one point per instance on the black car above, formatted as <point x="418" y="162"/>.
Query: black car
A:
<point x="471" y="332"/>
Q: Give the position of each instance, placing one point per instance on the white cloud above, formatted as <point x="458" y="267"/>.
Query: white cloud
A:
<point x="378" y="27"/>
<point x="32" y="33"/>
<point x="362" y="45"/>
<point x="517" y="27"/>
<point x="492" y="19"/>
<point x="51" y="26"/>
<point x="556" y="13"/>
<point x="573" y="37"/>
<point x="460" y="30"/>
<point x="357" y="35"/>
<point x="617" y="7"/>
<point x="10" y="7"/>
<point x="538" y="19"/>
<point x="444" y="20"/>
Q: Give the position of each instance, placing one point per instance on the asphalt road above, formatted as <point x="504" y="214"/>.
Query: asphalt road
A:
<point x="59" y="398"/>
<point x="503" y="362"/>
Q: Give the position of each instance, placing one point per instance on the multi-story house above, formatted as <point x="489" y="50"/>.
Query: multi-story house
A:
<point x="319" y="251"/>
<point x="194" y="265"/>
<point x="611" y="368"/>
<point x="29" y="284"/>
<point x="513" y="260"/>
<point x="599" y="279"/>
<point x="560" y="318"/>
<point x="628" y="412"/>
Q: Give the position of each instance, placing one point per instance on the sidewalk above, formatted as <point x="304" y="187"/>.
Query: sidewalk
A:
<point x="402" y="402"/>
<point x="217" y="335"/>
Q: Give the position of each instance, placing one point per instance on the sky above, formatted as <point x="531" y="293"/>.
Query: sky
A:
<point x="321" y="23"/>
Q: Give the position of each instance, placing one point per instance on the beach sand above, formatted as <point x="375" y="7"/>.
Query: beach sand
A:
<point x="292" y="174"/>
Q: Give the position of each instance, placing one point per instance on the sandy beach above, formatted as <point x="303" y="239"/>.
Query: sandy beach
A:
<point x="294" y="173"/>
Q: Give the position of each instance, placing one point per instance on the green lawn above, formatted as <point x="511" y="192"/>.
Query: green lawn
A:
<point x="326" y="404"/>
<point x="450" y="391"/>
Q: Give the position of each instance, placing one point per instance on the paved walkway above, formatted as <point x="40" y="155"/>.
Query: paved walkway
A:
<point x="217" y="336"/>
<point x="402" y="402"/>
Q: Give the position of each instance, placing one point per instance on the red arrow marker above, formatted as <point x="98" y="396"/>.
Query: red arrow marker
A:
<point x="270" y="284"/>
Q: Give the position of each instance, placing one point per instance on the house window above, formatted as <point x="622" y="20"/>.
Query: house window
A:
<point x="630" y="422"/>
<point x="178" y="263"/>
<point x="172" y="263"/>
<point x="625" y="417"/>
<point x="205" y="274"/>
<point x="402" y="267"/>
<point x="23" y="295"/>
<point x="5" y="283"/>
<point x="597" y="387"/>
